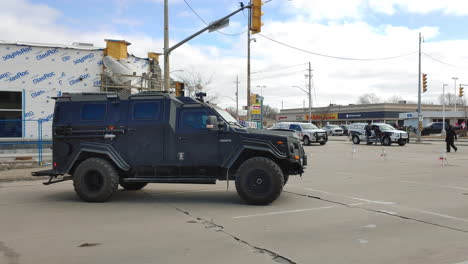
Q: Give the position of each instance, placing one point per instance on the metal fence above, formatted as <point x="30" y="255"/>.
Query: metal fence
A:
<point x="25" y="137"/>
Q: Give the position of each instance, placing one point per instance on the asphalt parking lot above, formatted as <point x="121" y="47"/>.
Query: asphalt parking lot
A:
<point x="371" y="205"/>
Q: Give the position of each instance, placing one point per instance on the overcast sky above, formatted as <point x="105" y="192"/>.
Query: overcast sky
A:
<point x="341" y="28"/>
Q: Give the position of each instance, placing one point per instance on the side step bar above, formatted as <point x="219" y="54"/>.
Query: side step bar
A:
<point x="173" y="180"/>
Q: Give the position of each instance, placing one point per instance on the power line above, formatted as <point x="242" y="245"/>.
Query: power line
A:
<point x="442" y="62"/>
<point x="278" y="69"/>
<point x="195" y="12"/>
<point x="336" y="57"/>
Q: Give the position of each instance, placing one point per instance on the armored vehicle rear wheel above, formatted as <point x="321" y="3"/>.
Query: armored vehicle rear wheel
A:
<point x="259" y="181"/>
<point x="133" y="186"/>
<point x="95" y="180"/>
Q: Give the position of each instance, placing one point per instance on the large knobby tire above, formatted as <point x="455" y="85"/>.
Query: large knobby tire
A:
<point x="95" y="180"/>
<point x="306" y="141"/>
<point x="133" y="186"/>
<point x="259" y="181"/>
<point x="286" y="178"/>
<point x="401" y="142"/>
<point x="356" y="140"/>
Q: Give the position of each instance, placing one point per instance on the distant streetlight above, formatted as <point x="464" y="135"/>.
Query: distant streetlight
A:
<point x="455" y="87"/>
<point x="310" y="103"/>
<point x="443" y="108"/>
<point x="261" y="89"/>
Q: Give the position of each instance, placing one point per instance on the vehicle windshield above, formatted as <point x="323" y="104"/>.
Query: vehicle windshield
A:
<point x="309" y="126"/>
<point x="386" y="127"/>
<point x="226" y="116"/>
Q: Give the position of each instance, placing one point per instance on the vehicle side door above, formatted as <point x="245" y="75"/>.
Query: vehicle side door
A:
<point x="197" y="147"/>
<point x="146" y="134"/>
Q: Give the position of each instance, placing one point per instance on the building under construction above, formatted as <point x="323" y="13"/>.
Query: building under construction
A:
<point x="32" y="74"/>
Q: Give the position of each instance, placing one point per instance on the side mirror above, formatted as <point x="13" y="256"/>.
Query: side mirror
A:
<point x="212" y="123"/>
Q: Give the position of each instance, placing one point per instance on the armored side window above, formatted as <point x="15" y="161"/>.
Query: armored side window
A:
<point x="193" y="119"/>
<point x="93" y="112"/>
<point x="146" y="111"/>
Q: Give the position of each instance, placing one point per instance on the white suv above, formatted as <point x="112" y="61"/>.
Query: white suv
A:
<point x="334" y="130"/>
<point x="307" y="132"/>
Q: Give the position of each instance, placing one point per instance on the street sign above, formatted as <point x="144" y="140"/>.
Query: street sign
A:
<point x="256" y="117"/>
<point x="256" y="112"/>
<point x="256" y="106"/>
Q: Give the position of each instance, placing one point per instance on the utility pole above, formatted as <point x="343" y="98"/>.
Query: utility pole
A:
<point x="310" y="94"/>
<point x="419" y="93"/>
<point x="237" y="97"/>
<point x="166" y="46"/>
<point x="282" y="105"/>
<point x="455" y="88"/>
<point x="443" y="108"/>
<point x="249" y="104"/>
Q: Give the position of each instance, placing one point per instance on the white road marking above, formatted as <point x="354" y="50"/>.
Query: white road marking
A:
<point x="286" y="212"/>
<point x="393" y="205"/>
<point x="362" y="241"/>
<point x="182" y="192"/>
<point x="294" y="211"/>
<point x="351" y="197"/>
<point x="464" y="262"/>
<point x="436" y="185"/>
<point x="370" y="226"/>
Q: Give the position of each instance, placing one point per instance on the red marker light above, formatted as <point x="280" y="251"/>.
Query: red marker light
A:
<point x="55" y="164"/>
<point x="111" y="127"/>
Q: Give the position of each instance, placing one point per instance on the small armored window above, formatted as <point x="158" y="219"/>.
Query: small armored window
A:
<point x="146" y="111"/>
<point x="93" y="112"/>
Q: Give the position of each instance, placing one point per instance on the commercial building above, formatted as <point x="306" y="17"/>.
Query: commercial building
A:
<point x="32" y="74"/>
<point x="401" y="114"/>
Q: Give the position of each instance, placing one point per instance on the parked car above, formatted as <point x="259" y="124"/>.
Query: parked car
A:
<point x="388" y="134"/>
<point x="345" y="129"/>
<point x="307" y="132"/>
<point x="432" y="128"/>
<point x="334" y="130"/>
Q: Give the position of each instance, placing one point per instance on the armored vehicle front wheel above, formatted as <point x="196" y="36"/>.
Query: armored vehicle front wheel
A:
<point x="133" y="186"/>
<point x="259" y="181"/>
<point x="95" y="180"/>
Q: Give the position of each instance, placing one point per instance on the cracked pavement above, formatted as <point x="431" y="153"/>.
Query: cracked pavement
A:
<point x="401" y="208"/>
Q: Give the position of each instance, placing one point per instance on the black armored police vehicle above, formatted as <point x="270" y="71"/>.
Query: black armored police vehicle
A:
<point x="102" y="140"/>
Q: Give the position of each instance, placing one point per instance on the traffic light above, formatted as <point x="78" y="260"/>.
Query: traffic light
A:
<point x="253" y="99"/>
<point x="460" y="91"/>
<point x="256" y="18"/>
<point x="424" y="82"/>
<point x="179" y="88"/>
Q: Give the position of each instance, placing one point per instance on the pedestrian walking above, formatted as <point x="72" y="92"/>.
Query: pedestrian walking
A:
<point x="450" y="137"/>
<point x="368" y="131"/>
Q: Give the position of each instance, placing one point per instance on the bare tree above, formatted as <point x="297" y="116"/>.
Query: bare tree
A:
<point x="450" y="99"/>
<point x="196" y="82"/>
<point x="232" y="110"/>
<point x="269" y="112"/>
<point x="395" y="99"/>
<point x="369" y="98"/>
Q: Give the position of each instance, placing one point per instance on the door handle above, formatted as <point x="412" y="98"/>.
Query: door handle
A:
<point x="182" y="138"/>
<point x="131" y="129"/>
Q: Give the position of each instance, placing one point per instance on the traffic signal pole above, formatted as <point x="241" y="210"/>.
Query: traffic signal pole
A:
<point x="419" y="93"/>
<point x="310" y="93"/>
<point x="167" y="50"/>
<point x="249" y="103"/>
